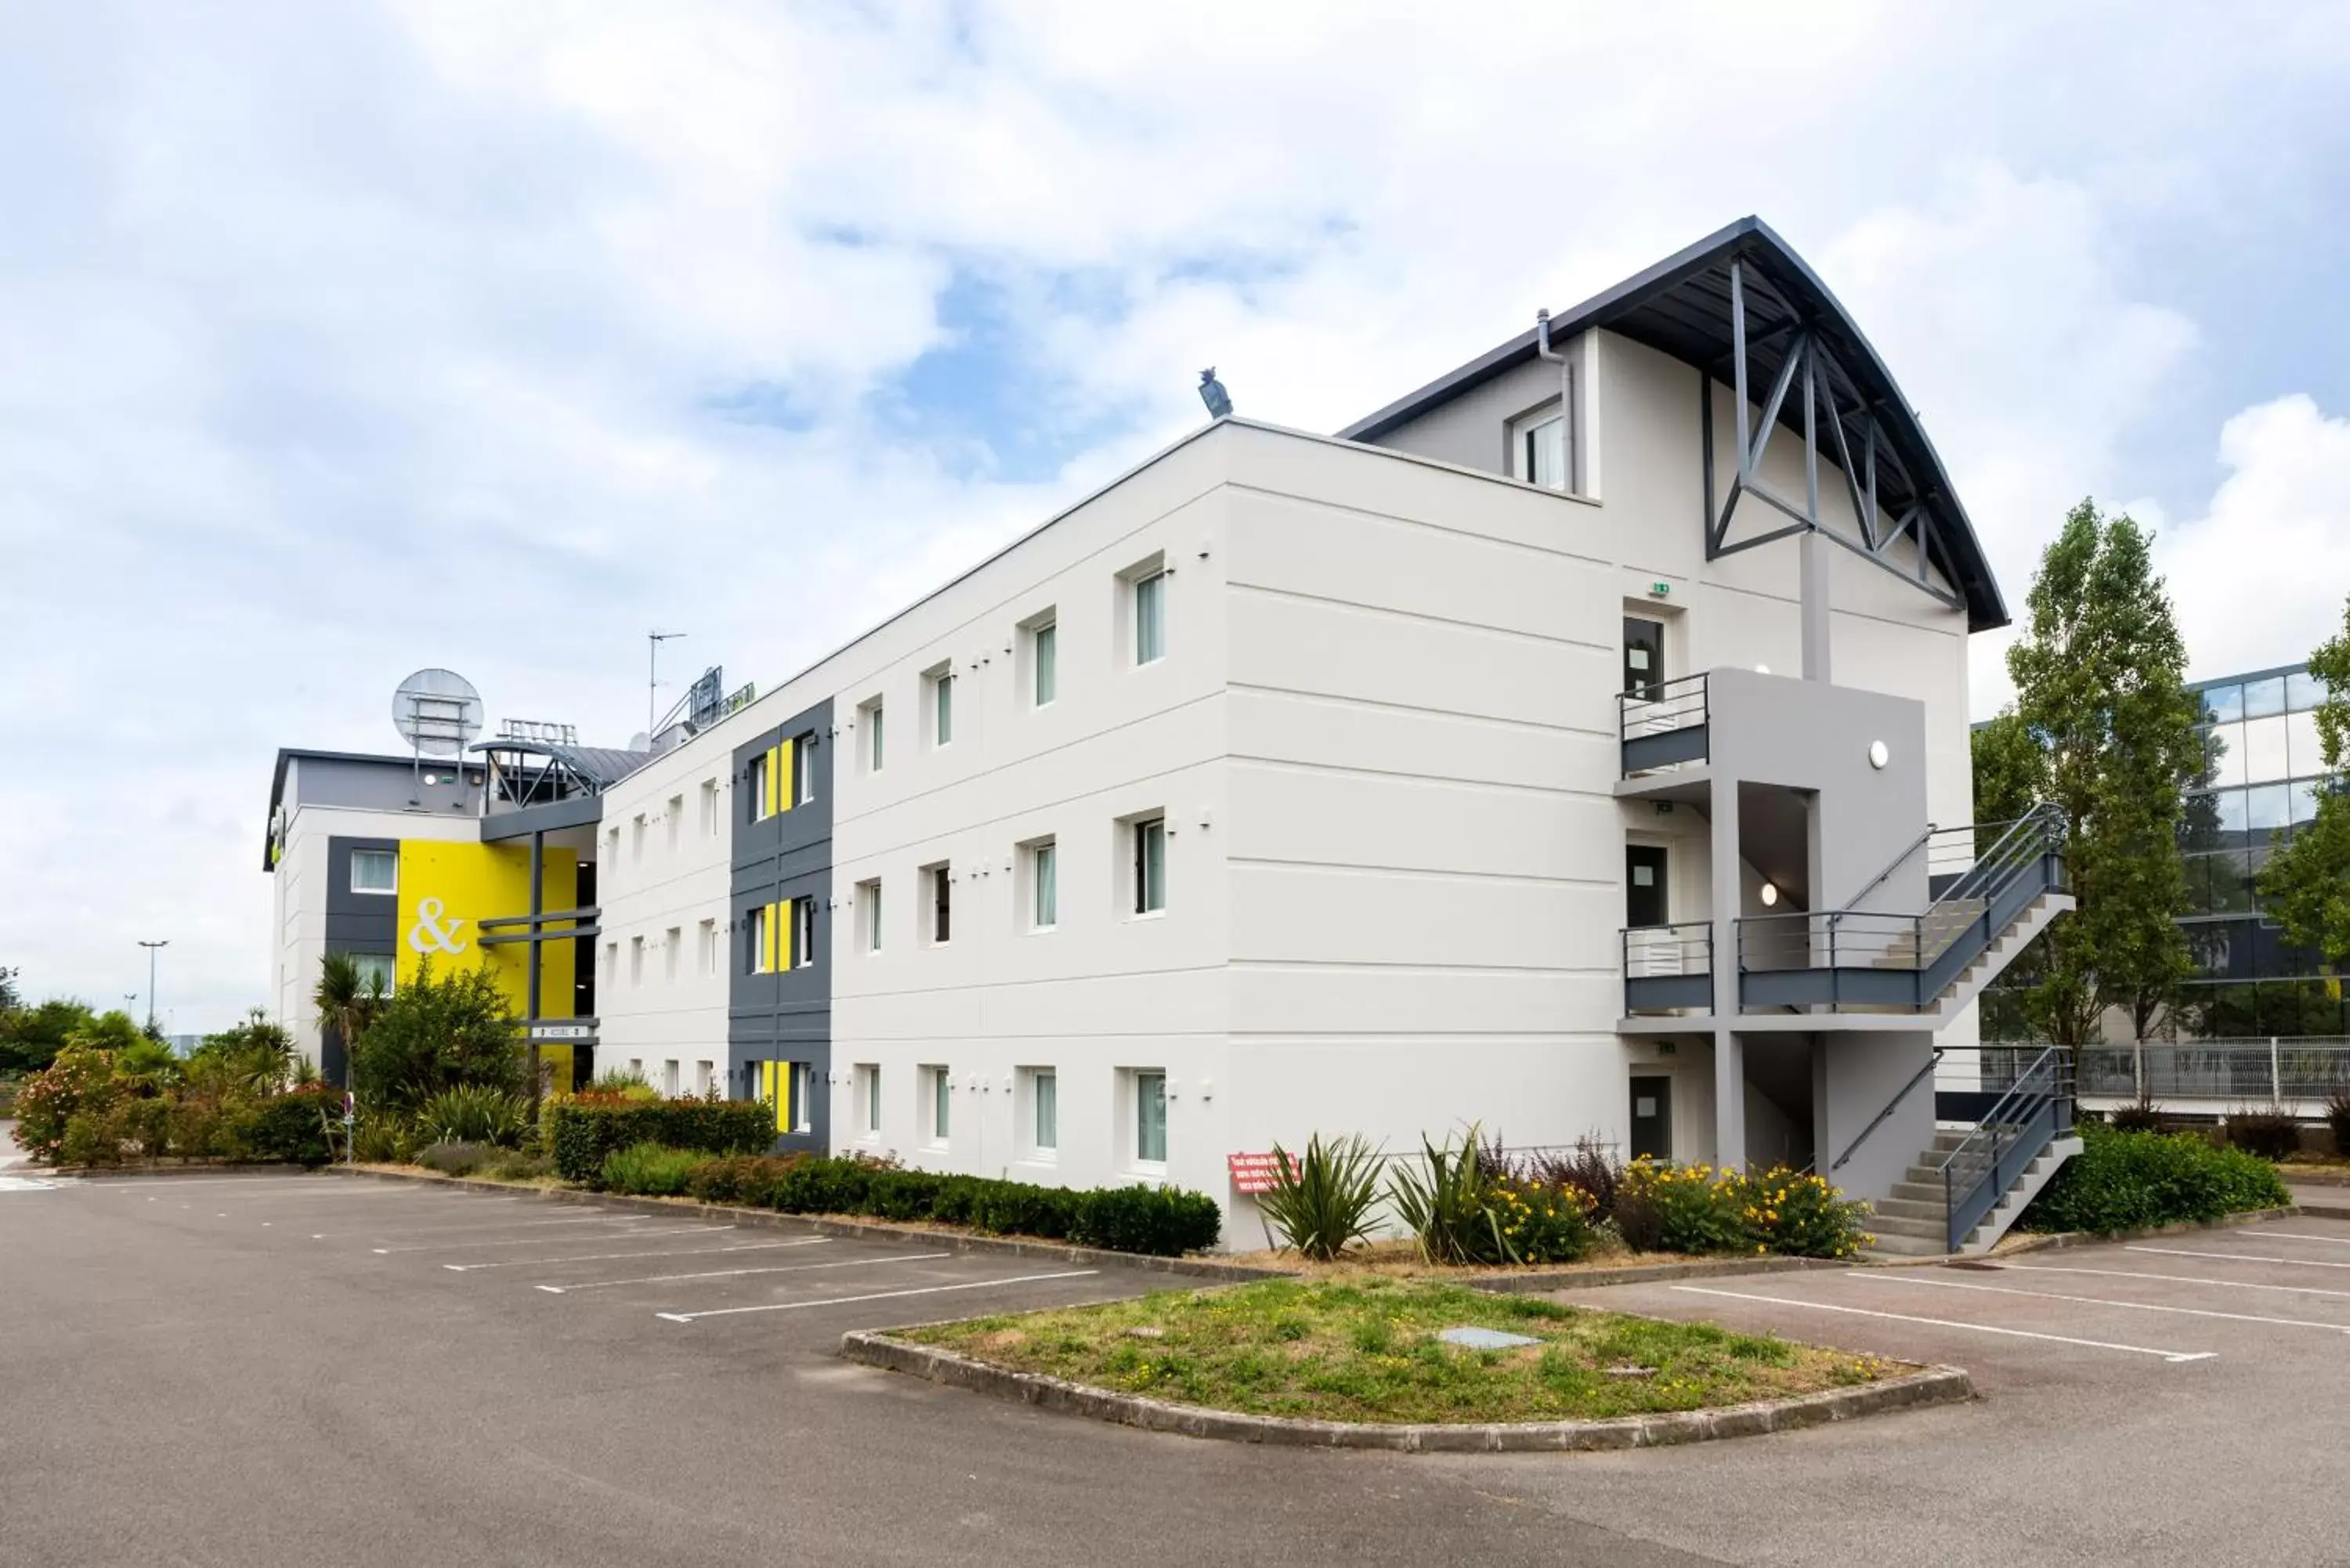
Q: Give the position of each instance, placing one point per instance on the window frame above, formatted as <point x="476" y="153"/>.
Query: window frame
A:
<point x="1148" y="880"/>
<point x="373" y="856"/>
<point x="868" y="915"/>
<point x="867" y="1084"/>
<point x="939" y="1119"/>
<point x="755" y="927"/>
<point x="803" y="933"/>
<point x="1138" y="1082"/>
<point x="802" y="769"/>
<point x="873" y="715"/>
<point x="1040" y="1115"/>
<point x="940" y="924"/>
<point x="1149" y="594"/>
<point x="1041" y="883"/>
<point x="367" y="965"/>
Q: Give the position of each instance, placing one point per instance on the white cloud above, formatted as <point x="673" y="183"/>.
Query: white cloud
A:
<point x="335" y="341"/>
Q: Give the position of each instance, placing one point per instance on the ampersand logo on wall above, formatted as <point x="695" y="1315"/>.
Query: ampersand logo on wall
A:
<point x="432" y="932"/>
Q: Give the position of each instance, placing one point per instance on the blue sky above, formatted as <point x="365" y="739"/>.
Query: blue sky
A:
<point x="338" y="339"/>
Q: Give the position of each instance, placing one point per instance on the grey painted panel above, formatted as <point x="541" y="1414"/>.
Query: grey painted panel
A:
<point x="1645" y="752"/>
<point x="1845" y="987"/>
<point x="1642" y="992"/>
<point x="578" y="811"/>
<point x="784" y="1016"/>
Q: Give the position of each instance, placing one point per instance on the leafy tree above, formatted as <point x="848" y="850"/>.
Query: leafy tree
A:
<point x="31" y="1037"/>
<point x="2306" y="887"/>
<point x="10" y="1001"/>
<point x="346" y="1003"/>
<point x="2100" y="679"/>
<point x="149" y="1063"/>
<point x="2010" y="771"/>
<point x="438" y="1033"/>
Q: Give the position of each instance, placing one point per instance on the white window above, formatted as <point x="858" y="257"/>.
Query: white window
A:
<point x="371" y="967"/>
<point x="869" y="913"/>
<point x="710" y="808"/>
<point x="868" y="1098"/>
<point x="1043" y="885"/>
<point x="870" y="717"/>
<point x="612" y="844"/>
<point x="803" y="1097"/>
<point x="611" y="960"/>
<point x="939" y="882"/>
<point x="1042" y="1108"/>
<point x="755" y="927"/>
<point x="668" y="1079"/>
<point x="938" y="1112"/>
<point x="673" y="950"/>
<point x="754" y="785"/>
<point x="1145" y="1115"/>
<point x="938" y="715"/>
<point x="705" y="1075"/>
<point x="804" y="769"/>
<point x="1147" y="873"/>
<point x="637" y="839"/>
<point x="375" y="871"/>
<point x="636" y="960"/>
<point x="1042" y="633"/>
<point x="1150" y="618"/>
<point x="1538" y="450"/>
<point x="676" y="821"/>
<point x="708" y="955"/>
<point x="804" y="936"/>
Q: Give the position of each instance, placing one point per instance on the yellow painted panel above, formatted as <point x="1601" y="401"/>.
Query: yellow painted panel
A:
<point x="555" y="1065"/>
<point x="782" y="1096"/>
<point x="784" y="788"/>
<point x="789" y="909"/>
<point x="448" y="889"/>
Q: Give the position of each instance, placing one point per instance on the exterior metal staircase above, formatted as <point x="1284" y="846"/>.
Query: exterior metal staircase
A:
<point x="1968" y="1189"/>
<point x="1928" y="965"/>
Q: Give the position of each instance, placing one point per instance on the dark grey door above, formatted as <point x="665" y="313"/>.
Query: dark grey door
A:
<point x="1652" y="1118"/>
<point x="1643" y="886"/>
<point x="1644" y="655"/>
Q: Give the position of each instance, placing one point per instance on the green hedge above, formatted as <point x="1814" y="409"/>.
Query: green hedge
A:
<point x="582" y="1134"/>
<point x="1162" y="1221"/>
<point x="2130" y="1180"/>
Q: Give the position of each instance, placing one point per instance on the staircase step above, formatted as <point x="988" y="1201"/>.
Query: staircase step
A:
<point x="1912" y="1208"/>
<point x="1921" y="1191"/>
<point x="1897" y="1246"/>
<point x="1932" y="1229"/>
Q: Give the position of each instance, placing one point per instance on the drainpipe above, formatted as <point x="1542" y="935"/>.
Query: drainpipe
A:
<point x="1566" y="393"/>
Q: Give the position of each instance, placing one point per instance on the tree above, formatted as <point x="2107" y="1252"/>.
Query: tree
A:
<point x="31" y="1037"/>
<point x="11" y="1002"/>
<point x="346" y="1003"/>
<point x="2010" y="771"/>
<point x="2306" y="887"/>
<point x="438" y="1033"/>
<point x="2100" y="679"/>
<point x="255" y="1057"/>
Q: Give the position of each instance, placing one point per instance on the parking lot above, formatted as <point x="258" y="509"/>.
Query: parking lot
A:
<point x="283" y="1369"/>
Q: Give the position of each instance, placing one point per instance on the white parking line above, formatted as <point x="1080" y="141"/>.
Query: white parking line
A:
<point x="527" y="1241"/>
<point x="875" y="1296"/>
<point x="608" y="1257"/>
<point x="1912" y="1279"/>
<point x="2300" y="1236"/>
<point x="2171" y="1355"/>
<point x="511" y="1225"/>
<point x="2240" y="1257"/>
<point x="730" y="1274"/>
<point x="2177" y="1279"/>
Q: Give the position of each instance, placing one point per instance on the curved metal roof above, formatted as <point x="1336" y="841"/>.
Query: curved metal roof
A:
<point x="1680" y="306"/>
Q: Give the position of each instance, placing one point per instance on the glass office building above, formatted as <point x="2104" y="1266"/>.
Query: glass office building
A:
<point x="2260" y="779"/>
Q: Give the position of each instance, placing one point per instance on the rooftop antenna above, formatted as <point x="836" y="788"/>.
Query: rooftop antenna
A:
<point x="653" y="639"/>
<point x="437" y="713"/>
<point x="1212" y="393"/>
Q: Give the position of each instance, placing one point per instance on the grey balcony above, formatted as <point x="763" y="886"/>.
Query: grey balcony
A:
<point x="1664" y="725"/>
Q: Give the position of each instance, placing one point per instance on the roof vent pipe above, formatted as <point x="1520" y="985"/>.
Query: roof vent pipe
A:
<point x="1566" y="395"/>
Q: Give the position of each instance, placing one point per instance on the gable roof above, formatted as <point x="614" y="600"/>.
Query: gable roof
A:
<point x="1680" y="306"/>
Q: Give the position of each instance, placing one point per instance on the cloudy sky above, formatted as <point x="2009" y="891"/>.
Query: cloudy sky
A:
<point x="337" y="340"/>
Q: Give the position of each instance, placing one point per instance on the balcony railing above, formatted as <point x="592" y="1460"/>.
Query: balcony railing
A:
<point x="2201" y="1075"/>
<point x="1663" y="725"/>
<point x="1668" y="967"/>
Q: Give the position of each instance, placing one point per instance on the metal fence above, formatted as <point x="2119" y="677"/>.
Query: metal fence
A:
<point x="2221" y="1073"/>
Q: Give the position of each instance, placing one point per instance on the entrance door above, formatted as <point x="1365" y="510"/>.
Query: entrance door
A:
<point x="1643" y="886"/>
<point x="1652" y="1117"/>
<point x="1644" y="655"/>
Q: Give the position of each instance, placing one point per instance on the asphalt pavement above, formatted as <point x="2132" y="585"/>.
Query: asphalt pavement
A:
<point x="294" y="1370"/>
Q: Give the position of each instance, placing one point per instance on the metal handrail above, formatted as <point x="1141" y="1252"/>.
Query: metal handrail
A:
<point x="1899" y="1094"/>
<point x="1700" y="941"/>
<point x="2013" y="1126"/>
<point x="1893" y="865"/>
<point x="1666" y="700"/>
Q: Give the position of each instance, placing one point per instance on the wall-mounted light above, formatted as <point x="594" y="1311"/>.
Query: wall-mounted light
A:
<point x="1769" y="894"/>
<point x="1878" y="754"/>
<point x="1761" y="669"/>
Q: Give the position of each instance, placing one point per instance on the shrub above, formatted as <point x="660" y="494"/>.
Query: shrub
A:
<point x="456" y="1159"/>
<point x="383" y="1137"/>
<point x="1799" y="1215"/>
<point x="80" y="1081"/>
<point x="650" y="1169"/>
<point x="511" y="1165"/>
<point x="435" y="1032"/>
<point x="581" y="1134"/>
<point x="2270" y="1132"/>
<point x="748" y="1179"/>
<point x="2130" y="1180"/>
<point x="1163" y="1221"/>
<point x="1542" y="1224"/>
<point x="1320" y="1203"/>
<point x="289" y="1128"/>
<point x="2142" y="1115"/>
<point x="473" y="1113"/>
<point x="1688" y="1209"/>
<point x="1446" y="1204"/>
<point x="2337" y="1116"/>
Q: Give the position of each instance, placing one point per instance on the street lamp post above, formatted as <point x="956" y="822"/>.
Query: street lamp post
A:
<point x="152" y="949"/>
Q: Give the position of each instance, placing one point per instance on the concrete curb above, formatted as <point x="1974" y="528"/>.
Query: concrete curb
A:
<point x="128" y="1173"/>
<point x="2324" y="1210"/>
<point x="1647" y="1274"/>
<point x="1934" y="1385"/>
<point x="2058" y="1240"/>
<point x="951" y="1240"/>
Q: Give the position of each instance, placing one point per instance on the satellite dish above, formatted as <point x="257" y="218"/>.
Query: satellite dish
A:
<point x="437" y="711"/>
<point x="640" y="742"/>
